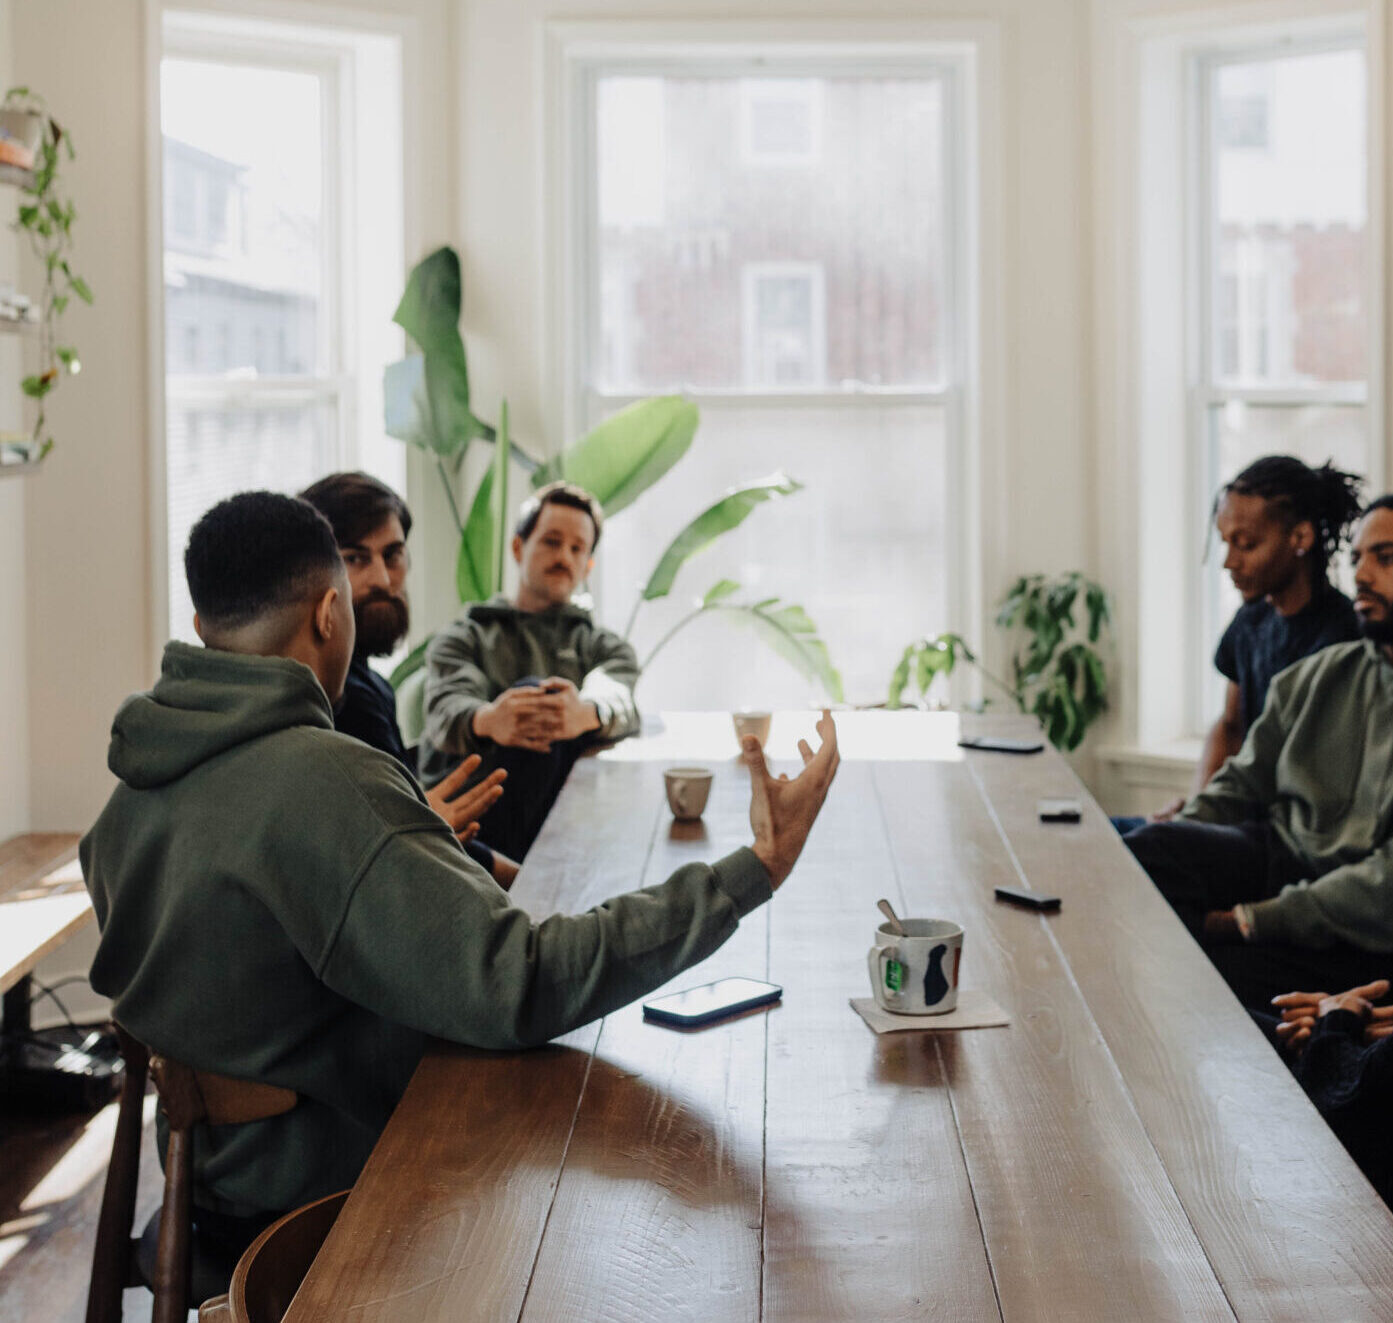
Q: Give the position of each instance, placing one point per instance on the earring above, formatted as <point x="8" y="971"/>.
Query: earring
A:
<point x="1301" y="551"/>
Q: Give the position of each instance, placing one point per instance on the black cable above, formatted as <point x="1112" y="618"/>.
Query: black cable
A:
<point x="46" y="991"/>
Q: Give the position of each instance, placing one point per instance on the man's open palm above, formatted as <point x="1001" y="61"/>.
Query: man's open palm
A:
<point x="782" y="812"/>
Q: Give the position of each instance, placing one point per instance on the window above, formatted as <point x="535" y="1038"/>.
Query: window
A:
<point x="1284" y="306"/>
<point x="276" y="308"/>
<point x="817" y="334"/>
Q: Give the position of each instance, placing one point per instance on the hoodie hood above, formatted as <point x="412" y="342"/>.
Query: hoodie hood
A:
<point x="502" y="607"/>
<point x="205" y="703"/>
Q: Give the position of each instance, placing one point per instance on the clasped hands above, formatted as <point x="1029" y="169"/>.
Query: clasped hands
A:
<point x="536" y="716"/>
<point x="1301" y="1010"/>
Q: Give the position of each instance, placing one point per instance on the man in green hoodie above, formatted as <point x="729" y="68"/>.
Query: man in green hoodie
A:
<point x="278" y="902"/>
<point x="527" y="684"/>
<point x="1283" y="864"/>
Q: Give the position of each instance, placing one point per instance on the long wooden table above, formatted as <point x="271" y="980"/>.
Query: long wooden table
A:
<point x="1129" y="1148"/>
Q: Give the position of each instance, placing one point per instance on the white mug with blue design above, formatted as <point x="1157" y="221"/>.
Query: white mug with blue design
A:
<point x="916" y="974"/>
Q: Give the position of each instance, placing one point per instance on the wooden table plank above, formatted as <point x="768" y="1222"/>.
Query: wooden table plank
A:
<point x="42" y="900"/>
<point x="663" y="1172"/>
<point x="1078" y="1213"/>
<point x="869" y="1209"/>
<point x="1292" y="1228"/>
<point x="26" y="859"/>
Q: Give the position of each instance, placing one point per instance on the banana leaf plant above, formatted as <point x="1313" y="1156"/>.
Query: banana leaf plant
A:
<point x="1058" y="674"/>
<point x="427" y="404"/>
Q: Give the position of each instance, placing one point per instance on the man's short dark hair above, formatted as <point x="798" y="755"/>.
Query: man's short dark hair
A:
<point x="1381" y="503"/>
<point x="255" y="553"/>
<point x="356" y="505"/>
<point x="560" y="493"/>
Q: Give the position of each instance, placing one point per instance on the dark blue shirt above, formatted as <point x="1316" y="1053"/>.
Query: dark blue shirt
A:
<point x="368" y="712"/>
<point x="1260" y="642"/>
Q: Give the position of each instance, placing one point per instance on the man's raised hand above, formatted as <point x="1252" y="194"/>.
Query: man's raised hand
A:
<point x="782" y="812"/>
<point x="462" y="808"/>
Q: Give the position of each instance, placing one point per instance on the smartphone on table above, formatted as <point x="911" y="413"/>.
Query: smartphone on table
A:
<point x="711" y="1001"/>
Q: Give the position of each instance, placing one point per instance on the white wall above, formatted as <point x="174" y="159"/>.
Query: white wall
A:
<point x="14" y="723"/>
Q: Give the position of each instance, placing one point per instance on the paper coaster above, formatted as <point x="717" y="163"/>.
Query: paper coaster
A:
<point x="975" y="1010"/>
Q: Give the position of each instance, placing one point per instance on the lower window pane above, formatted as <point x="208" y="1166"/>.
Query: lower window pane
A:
<point x="1239" y="433"/>
<point x="863" y="549"/>
<point x="211" y="453"/>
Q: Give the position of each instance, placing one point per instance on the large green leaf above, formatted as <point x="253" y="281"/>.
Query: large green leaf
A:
<point x="498" y="499"/>
<point x="792" y="634"/>
<point x="727" y="513"/>
<point x="628" y="452"/>
<point x="410" y="664"/>
<point x="426" y="395"/>
<point x="474" y="580"/>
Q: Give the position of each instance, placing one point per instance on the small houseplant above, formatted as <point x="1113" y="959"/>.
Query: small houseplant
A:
<point x="45" y="217"/>
<point x="1057" y="671"/>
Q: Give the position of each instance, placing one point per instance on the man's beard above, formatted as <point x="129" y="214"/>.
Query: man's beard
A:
<point x="382" y="622"/>
<point x="1380" y="630"/>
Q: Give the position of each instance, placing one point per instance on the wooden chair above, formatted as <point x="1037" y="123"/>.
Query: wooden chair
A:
<point x="187" y="1097"/>
<point x="270" y="1272"/>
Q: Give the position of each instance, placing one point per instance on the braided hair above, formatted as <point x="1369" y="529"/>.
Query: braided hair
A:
<point x="1327" y="498"/>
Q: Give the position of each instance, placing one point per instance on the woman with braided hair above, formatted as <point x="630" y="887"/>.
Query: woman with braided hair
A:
<point x="1282" y="523"/>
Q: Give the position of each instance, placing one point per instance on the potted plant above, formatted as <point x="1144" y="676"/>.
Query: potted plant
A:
<point x="428" y="406"/>
<point x="45" y="217"/>
<point x="1057" y="671"/>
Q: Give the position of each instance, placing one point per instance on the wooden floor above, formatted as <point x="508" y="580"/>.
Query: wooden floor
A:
<point x="51" y="1175"/>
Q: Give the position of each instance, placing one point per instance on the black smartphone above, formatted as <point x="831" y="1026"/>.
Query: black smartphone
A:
<point x="1059" y="810"/>
<point x="998" y="744"/>
<point x="711" y="1001"/>
<point x="1031" y="900"/>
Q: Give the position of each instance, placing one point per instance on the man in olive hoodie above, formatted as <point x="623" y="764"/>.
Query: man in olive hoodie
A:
<point x="278" y="902"/>
<point x="1283" y="864"/>
<point x="528" y="684"/>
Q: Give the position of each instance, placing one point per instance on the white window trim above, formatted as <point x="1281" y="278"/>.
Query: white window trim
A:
<point x="1143" y="361"/>
<point x="319" y="29"/>
<point x="976" y="400"/>
<point x="812" y="272"/>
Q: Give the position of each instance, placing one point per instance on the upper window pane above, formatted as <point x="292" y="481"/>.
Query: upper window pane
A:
<point x="1289" y="305"/>
<point x="769" y="234"/>
<point x="244" y="230"/>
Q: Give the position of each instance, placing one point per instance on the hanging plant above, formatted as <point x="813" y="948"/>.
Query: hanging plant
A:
<point x="46" y="218"/>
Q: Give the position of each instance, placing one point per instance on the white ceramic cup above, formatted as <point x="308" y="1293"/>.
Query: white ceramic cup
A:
<point x="916" y="974"/>
<point x="687" y="791"/>
<point x="752" y="723"/>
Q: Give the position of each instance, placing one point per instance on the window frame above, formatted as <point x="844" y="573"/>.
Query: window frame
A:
<point x="971" y="388"/>
<point x="299" y="35"/>
<point x="1206" y="392"/>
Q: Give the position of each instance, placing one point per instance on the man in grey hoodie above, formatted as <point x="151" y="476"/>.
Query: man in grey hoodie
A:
<point x="278" y="902"/>
<point x="528" y="683"/>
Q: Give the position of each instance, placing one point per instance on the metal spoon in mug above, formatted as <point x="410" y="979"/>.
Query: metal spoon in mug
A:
<point x="888" y="910"/>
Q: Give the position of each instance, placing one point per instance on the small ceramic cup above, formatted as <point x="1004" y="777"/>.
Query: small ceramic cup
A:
<point x="916" y="974"/>
<point x="751" y="723"/>
<point x="687" y="791"/>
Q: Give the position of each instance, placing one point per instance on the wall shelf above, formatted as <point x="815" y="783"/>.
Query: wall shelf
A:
<point x="14" y="470"/>
<point x="9" y="326"/>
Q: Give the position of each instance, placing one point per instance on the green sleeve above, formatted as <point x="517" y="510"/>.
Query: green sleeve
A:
<point x="456" y="687"/>
<point x="611" y="672"/>
<point x="1353" y="903"/>
<point x="430" y="941"/>
<point x="1246" y="785"/>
